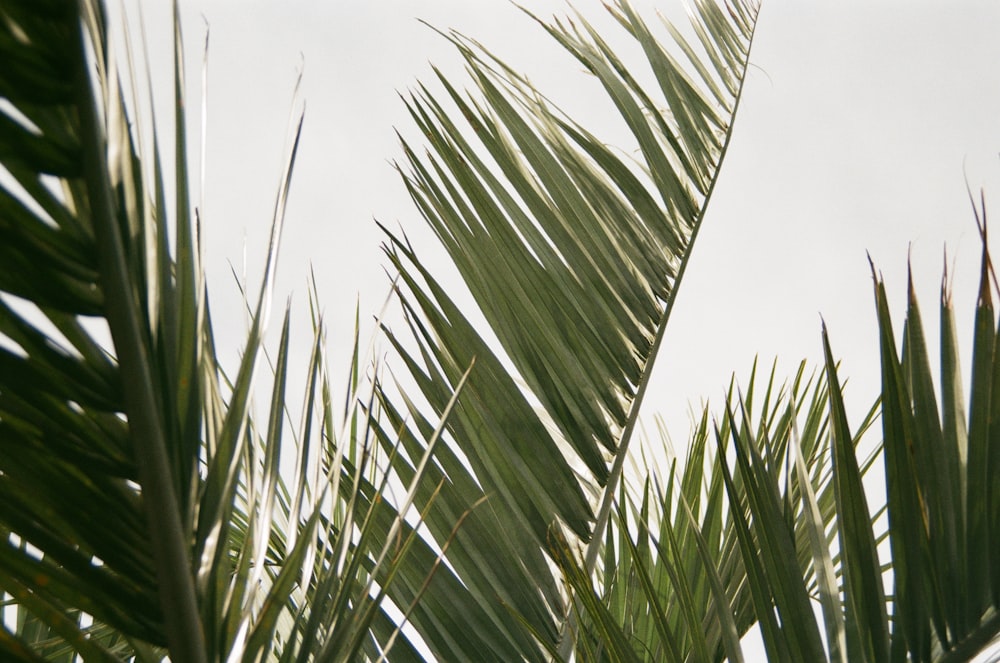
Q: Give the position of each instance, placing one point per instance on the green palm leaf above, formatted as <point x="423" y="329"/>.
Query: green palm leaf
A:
<point x="142" y="508"/>
<point x="573" y="255"/>
<point x="92" y="241"/>
<point x="474" y="504"/>
<point x="940" y="473"/>
<point x="698" y="562"/>
<point x="933" y="610"/>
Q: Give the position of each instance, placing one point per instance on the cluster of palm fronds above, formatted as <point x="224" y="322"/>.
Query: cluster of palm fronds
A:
<point x="481" y="512"/>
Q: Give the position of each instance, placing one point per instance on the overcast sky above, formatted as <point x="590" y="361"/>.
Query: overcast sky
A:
<point x="861" y="125"/>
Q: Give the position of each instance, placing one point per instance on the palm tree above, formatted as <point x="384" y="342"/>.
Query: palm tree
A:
<point x="475" y="506"/>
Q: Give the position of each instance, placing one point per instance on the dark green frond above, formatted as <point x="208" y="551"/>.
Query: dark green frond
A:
<point x="573" y="254"/>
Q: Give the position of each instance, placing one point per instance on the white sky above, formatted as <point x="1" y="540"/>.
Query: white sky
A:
<point x="860" y="124"/>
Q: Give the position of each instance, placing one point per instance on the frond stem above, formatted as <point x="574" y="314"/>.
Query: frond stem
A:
<point x="614" y="476"/>
<point x="184" y="633"/>
<point x="616" y="469"/>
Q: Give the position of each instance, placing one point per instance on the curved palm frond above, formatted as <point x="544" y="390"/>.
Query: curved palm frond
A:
<point x="573" y="255"/>
<point x="72" y="468"/>
<point x="143" y="512"/>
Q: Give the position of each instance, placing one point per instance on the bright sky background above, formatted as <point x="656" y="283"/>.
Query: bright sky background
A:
<point x="861" y="125"/>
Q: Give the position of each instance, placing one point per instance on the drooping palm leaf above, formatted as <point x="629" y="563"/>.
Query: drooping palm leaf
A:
<point x="142" y="508"/>
<point x="77" y="212"/>
<point x="573" y="255"/>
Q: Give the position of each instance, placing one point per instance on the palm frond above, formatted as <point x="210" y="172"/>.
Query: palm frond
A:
<point x="143" y="510"/>
<point x="573" y="255"/>
<point x="87" y="519"/>
<point x="933" y="610"/>
<point x="941" y="472"/>
<point x="697" y="562"/>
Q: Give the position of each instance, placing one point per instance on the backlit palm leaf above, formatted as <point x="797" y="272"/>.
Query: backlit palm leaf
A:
<point x="573" y="255"/>
<point x="799" y="496"/>
<point x="142" y="512"/>
<point x="695" y="563"/>
<point x="932" y="610"/>
<point x="942" y="472"/>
